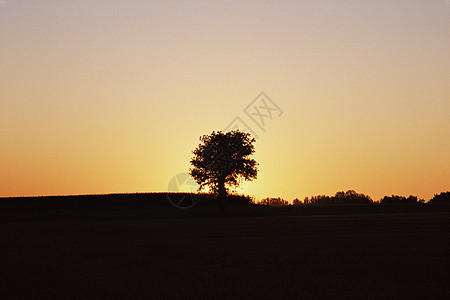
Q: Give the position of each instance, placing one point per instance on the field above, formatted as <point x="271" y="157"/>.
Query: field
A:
<point x="359" y="255"/>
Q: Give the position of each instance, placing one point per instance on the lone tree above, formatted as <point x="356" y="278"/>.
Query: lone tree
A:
<point x="222" y="160"/>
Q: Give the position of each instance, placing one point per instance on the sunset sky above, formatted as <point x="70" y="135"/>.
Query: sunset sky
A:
<point x="112" y="96"/>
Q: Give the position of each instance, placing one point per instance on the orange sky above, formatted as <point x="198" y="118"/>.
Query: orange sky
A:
<point x="111" y="96"/>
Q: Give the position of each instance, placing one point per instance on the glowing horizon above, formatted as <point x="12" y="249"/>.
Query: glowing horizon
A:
<point x="111" y="97"/>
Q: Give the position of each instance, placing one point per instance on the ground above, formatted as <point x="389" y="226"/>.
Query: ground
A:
<point x="395" y="255"/>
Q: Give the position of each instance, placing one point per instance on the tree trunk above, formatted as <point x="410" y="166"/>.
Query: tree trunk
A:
<point x="222" y="195"/>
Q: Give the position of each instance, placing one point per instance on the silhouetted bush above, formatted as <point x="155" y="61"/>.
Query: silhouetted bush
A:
<point x="240" y="200"/>
<point x="443" y="197"/>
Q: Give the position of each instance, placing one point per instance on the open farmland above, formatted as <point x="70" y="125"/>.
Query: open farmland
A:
<point x="383" y="255"/>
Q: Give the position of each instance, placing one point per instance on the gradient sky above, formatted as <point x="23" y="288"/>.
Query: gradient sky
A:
<point x="112" y="96"/>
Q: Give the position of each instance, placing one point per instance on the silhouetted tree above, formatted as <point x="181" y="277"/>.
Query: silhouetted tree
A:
<point x="443" y="197"/>
<point x="351" y="197"/>
<point x="297" y="202"/>
<point x="274" y="202"/>
<point x="222" y="160"/>
<point x="318" y="200"/>
<point x="348" y="197"/>
<point x="395" y="199"/>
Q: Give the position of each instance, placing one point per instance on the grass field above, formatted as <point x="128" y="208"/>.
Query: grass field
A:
<point x="382" y="255"/>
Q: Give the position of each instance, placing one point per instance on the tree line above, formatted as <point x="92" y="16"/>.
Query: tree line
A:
<point x="352" y="197"/>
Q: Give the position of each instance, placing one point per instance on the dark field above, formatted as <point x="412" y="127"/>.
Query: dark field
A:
<point x="382" y="255"/>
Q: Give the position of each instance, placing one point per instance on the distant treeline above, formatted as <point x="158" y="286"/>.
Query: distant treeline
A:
<point x="351" y="197"/>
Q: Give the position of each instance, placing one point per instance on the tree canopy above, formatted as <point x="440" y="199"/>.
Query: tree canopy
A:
<point x="348" y="197"/>
<point x="443" y="197"/>
<point x="395" y="199"/>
